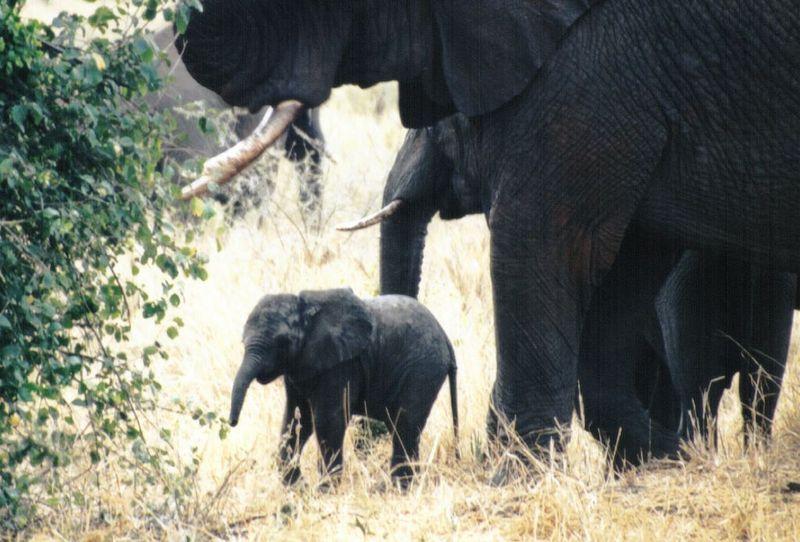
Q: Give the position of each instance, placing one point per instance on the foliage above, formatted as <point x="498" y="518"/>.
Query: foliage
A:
<point x="83" y="208"/>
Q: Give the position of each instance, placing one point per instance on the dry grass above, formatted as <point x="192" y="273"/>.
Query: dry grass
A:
<point x="723" y="494"/>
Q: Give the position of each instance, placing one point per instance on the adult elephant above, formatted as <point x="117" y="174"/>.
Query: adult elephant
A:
<point x="585" y="116"/>
<point x="302" y="145"/>
<point x="714" y="316"/>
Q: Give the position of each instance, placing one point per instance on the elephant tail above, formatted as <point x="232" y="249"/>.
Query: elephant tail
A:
<point x="451" y="378"/>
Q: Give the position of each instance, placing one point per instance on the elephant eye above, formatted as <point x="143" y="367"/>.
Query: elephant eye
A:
<point x="282" y="344"/>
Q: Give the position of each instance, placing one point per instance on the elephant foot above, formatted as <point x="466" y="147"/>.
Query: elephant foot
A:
<point x="512" y="468"/>
<point x="403" y="483"/>
<point x="291" y="476"/>
<point x="328" y="486"/>
<point x="528" y="446"/>
<point x="634" y="449"/>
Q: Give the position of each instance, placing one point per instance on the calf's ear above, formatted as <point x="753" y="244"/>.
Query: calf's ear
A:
<point x="337" y="328"/>
<point x="492" y="49"/>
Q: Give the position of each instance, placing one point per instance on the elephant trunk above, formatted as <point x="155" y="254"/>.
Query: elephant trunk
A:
<point x="244" y="377"/>
<point x="401" y="247"/>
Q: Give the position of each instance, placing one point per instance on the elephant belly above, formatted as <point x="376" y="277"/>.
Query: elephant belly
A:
<point x="732" y="196"/>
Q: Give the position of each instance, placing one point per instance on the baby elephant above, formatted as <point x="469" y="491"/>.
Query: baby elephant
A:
<point x="385" y="358"/>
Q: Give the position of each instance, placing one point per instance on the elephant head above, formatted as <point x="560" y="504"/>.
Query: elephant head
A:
<point x="433" y="172"/>
<point x="300" y="336"/>
<point x="446" y="56"/>
<point x="426" y="179"/>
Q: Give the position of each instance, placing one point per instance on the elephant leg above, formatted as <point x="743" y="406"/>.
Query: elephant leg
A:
<point x="542" y="283"/>
<point x="302" y="147"/>
<point x="618" y="367"/>
<point x="655" y="391"/>
<point x="405" y="448"/>
<point x="330" y="429"/>
<point x="559" y="212"/>
<point x="408" y="415"/>
<point x="691" y="311"/>
<point x="702" y="408"/>
<point x="334" y="401"/>
<point x="763" y="367"/>
<point x="296" y="429"/>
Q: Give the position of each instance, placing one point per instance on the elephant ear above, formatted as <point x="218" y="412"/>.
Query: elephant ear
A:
<point x="338" y="327"/>
<point x="492" y="49"/>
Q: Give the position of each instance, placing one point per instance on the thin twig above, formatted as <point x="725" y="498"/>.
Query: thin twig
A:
<point x="316" y="143"/>
<point x="124" y="295"/>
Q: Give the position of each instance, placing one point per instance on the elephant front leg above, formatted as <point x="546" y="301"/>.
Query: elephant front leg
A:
<point x="537" y="325"/>
<point x="330" y="428"/>
<point x="296" y="429"/>
<point x="543" y="277"/>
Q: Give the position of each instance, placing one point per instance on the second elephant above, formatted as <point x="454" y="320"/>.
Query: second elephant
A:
<point x="653" y="343"/>
<point x="302" y="144"/>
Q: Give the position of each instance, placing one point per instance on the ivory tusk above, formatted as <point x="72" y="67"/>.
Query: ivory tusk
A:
<point x="390" y="209"/>
<point x="225" y="166"/>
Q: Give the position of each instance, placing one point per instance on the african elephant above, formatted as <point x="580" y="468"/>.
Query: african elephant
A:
<point x="641" y="334"/>
<point x="585" y="118"/>
<point x="182" y="90"/>
<point x="385" y="358"/>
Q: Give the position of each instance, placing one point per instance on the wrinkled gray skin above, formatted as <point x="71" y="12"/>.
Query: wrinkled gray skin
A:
<point x="642" y="333"/>
<point x="586" y="116"/>
<point x="194" y="144"/>
<point x="385" y="358"/>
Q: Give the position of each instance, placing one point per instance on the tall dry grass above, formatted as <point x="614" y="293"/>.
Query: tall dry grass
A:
<point x="722" y="494"/>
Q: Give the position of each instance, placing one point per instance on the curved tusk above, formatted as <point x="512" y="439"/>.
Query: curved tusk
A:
<point x="225" y="166"/>
<point x="373" y="219"/>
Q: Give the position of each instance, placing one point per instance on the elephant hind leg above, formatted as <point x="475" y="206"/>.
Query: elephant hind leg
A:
<point x="762" y="370"/>
<point x="405" y="449"/>
<point x="629" y="434"/>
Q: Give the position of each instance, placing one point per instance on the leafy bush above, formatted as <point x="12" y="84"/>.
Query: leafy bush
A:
<point x="83" y="207"/>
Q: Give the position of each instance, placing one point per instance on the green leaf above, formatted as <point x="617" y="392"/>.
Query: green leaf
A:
<point x="197" y="206"/>
<point x="143" y="48"/>
<point x="101" y="17"/>
<point x="150" y="350"/>
<point x="18" y="115"/>
<point x="182" y="18"/>
<point x="206" y="126"/>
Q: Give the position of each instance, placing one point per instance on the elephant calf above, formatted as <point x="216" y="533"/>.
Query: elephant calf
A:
<point x="385" y="358"/>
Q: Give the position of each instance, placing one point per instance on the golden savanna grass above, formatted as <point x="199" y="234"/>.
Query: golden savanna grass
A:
<point x="722" y="494"/>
